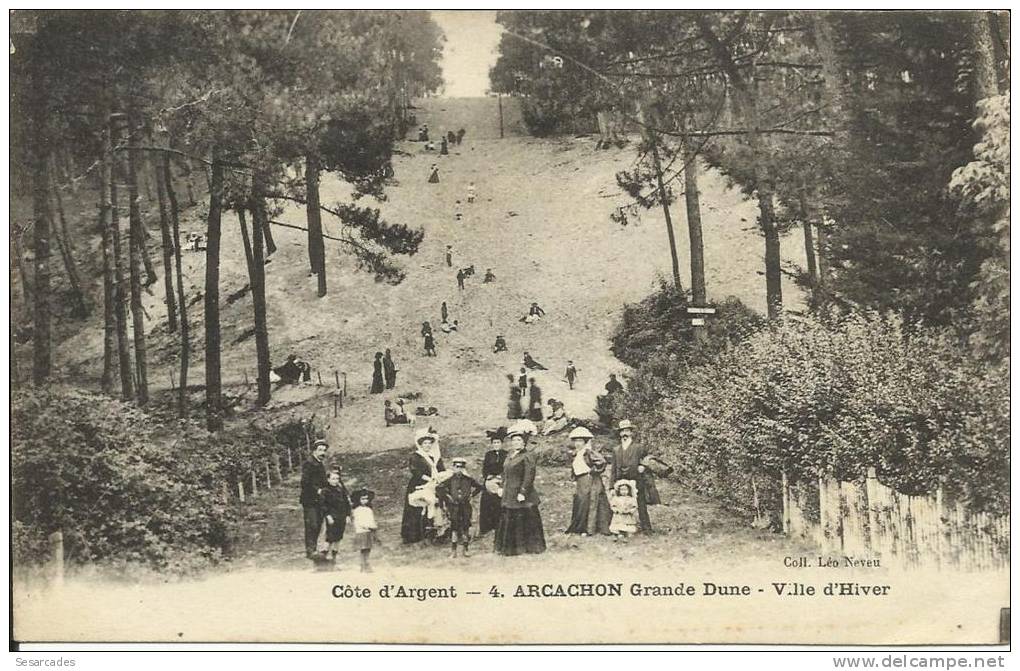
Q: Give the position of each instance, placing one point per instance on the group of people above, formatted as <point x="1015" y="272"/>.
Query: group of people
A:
<point x="384" y="372"/>
<point x="325" y="501"/>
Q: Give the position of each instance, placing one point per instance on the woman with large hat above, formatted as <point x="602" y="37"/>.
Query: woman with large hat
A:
<point x="492" y="479"/>
<point x="425" y="465"/>
<point x="520" y="523"/>
<point x="591" y="513"/>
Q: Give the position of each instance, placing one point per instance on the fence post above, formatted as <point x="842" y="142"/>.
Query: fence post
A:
<point x="269" y="480"/>
<point x="290" y="461"/>
<point x="225" y="492"/>
<point x="276" y="465"/>
<point x="57" y="555"/>
<point x="786" y="503"/>
<point x="240" y="490"/>
<point x="254" y="485"/>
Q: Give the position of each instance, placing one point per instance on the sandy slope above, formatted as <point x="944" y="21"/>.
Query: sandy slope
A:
<point x="541" y="222"/>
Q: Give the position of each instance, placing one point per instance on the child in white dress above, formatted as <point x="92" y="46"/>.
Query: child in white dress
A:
<point x="623" y="503"/>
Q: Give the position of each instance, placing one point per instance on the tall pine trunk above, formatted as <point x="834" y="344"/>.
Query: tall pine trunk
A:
<point x="808" y="219"/>
<point x="135" y="256"/>
<point x="171" y="195"/>
<point x="189" y="181"/>
<point x="111" y="173"/>
<point x="41" y="356"/>
<point x="258" y="293"/>
<point x="649" y="134"/>
<point x="692" y="198"/>
<point x="986" y="77"/>
<point x="109" y="296"/>
<point x="164" y="229"/>
<point x="66" y="245"/>
<point x="213" y="382"/>
<point x="316" y="246"/>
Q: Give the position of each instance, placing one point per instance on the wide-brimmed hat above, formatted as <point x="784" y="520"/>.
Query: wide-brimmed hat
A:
<point x="425" y="434"/>
<point x="358" y="493"/>
<point x="496" y="434"/>
<point x="522" y="427"/>
<point x="580" y="432"/>
<point x="625" y="424"/>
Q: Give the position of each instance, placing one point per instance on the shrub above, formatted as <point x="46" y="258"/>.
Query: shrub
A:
<point x="121" y="485"/>
<point x="836" y="398"/>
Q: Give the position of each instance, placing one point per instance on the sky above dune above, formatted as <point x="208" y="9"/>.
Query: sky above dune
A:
<point x="470" y="50"/>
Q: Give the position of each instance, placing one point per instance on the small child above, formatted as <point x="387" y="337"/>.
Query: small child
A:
<point x="456" y="491"/>
<point x="336" y="508"/>
<point x="365" y="527"/>
<point x="623" y="503"/>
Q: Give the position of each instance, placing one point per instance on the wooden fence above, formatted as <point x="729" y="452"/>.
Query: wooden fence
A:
<point x="871" y="520"/>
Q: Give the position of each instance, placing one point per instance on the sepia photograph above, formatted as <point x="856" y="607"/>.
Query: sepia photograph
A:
<point x="509" y="327"/>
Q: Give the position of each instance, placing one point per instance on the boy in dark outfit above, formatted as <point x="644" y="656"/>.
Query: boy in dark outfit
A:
<point x="456" y="493"/>
<point x="336" y="508"/>
<point x="313" y="481"/>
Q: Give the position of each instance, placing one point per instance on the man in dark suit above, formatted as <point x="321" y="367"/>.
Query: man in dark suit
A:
<point x="627" y="458"/>
<point x="313" y="480"/>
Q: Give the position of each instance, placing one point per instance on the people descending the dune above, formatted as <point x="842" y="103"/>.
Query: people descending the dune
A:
<point x="449" y="256"/>
<point x="513" y="406"/>
<point x="613" y="386"/>
<point x="534" y="401"/>
<point x="444" y="147"/>
<point x="532" y="364"/>
<point x="460" y="135"/>
<point x="430" y="344"/>
<point x="571" y="374"/>
<point x="489" y="276"/>
<point x="460" y="279"/>
<point x="444" y="312"/>
<point x="389" y="369"/>
<point x="451" y="137"/>
<point x="426" y="328"/>
<point x="471" y="192"/>
<point x="500" y="345"/>
<point x="534" y="314"/>
<point x="434" y="174"/>
<point x="377" y="374"/>
<point x="522" y="380"/>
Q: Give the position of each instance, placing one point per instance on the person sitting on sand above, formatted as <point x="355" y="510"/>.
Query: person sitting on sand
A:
<point x="500" y="345"/>
<point x="489" y="276"/>
<point x="532" y="364"/>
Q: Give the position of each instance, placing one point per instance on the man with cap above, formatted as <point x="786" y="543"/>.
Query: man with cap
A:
<point x="627" y="465"/>
<point x="456" y="492"/>
<point x="313" y="480"/>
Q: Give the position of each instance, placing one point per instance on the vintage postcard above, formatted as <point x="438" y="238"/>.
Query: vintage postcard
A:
<point x="510" y="327"/>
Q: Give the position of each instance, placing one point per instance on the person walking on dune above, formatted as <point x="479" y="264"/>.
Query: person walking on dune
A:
<point x="444" y="312"/>
<point x="571" y="374"/>
<point x="377" y="374"/>
<point x="449" y="256"/>
<point x="434" y="174"/>
<point x="460" y="279"/>
<point x="389" y="370"/>
<point x="513" y="405"/>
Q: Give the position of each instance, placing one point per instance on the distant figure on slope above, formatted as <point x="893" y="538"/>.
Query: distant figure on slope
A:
<point x="430" y="344"/>
<point x="389" y="369"/>
<point x="451" y="137"/>
<point x="444" y="312"/>
<point x="423" y="133"/>
<point x="489" y="276"/>
<point x="449" y="256"/>
<point x="532" y="364"/>
<point x="426" y="328"/>
<point x="558" y="419"/>
<point x="291" y="372"/>
<point x="513" y="406"/>
<point x="434" y="174"/>
<point x="460" y="135"/>
<point x="522" y="381"/>
<point x="571" y="374"/>
<point x="471" y="192"/>
<point x="534" y="314"/>
<point x="613" y="386"/>
<point x="500" y="345"/>
<point x="534" y="401"/>
<point x="444" y="148"/>
<point x="400" y="414"/>
<point x="460" y="279"/>
<point x="377" y="374"/>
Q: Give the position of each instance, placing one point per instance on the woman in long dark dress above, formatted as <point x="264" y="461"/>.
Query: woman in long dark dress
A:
<point x="377" y="374"/>
<point x="513" y="405"/>
<point x="520" y="522"/>
<point x="424" y="467"/>
<point x="389" y="370"/>
<point x="534" y="401"/>
<point x="591" y="512"/>
<point x="492" y="478"/>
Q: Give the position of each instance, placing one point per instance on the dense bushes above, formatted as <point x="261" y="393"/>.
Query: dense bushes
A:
<point x="118" y="483"/>
<point x="834" y="398"/>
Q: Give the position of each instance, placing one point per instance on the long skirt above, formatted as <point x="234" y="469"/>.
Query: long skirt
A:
<point x="377" y="383"/>
<point x="591" y="513"/>
<point x="488" y="512"/>
<point x="520" y="532"/>
<point x="413" y="525"/>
